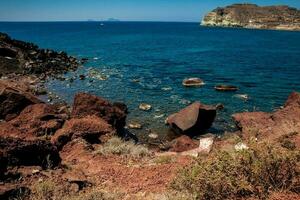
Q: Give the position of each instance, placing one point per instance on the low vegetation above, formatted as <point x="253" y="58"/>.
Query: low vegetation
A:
<point x="117" y="146"/>
<point x="164" y="159"/>
<point x="253" y="172"/>
<point x="44" y="190"/>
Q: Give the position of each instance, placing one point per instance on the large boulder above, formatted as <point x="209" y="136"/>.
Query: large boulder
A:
<point x="90" y="128"/>
<point x="192" y="120"/>
<point x="13" y="100"/>
<point x="18" y="152"/>
<point x="273" y="127"/>
<point x="40" y="119"/>
<point x="87" y="104"/>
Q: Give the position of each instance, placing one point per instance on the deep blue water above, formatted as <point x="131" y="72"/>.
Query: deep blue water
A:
<point x="264" y="64"/>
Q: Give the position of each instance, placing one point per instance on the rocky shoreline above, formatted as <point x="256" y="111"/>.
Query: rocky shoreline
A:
<point x="254" y="17"/>
<point x="61" y="142"/>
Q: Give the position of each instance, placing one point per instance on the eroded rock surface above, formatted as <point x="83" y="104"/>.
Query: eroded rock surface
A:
<point x="26" y="58"/>
<point x="253" y="16"/>
<point x="87" y="104"/>
<point x="279" y="125"/>
<point x="13" y="100"/>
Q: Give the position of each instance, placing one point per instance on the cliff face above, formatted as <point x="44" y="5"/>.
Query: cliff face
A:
<point x="253" y="16"/>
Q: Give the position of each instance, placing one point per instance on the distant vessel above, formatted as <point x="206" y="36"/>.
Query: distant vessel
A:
<point x="101" y="24"/>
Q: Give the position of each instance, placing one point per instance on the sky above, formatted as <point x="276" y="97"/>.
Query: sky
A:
<point x="125" y="10"/>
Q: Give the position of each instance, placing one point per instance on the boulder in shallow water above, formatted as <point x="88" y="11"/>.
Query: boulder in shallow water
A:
<point x="192" y="120"/>
<point x="192" y="82"/>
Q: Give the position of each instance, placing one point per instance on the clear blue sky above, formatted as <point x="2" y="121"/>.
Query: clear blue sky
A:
<point x="127" y="10"/>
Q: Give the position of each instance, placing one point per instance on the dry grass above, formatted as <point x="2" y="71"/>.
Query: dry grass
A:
<point x="164" y="159"/>
<point x="44" y="190"/>
<point x="116" y="146"/>
<point x="96" y="195"/>
<point x="249" y="173"/>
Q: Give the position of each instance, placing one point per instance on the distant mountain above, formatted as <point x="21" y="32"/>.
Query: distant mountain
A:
<point x="253" y="16"/>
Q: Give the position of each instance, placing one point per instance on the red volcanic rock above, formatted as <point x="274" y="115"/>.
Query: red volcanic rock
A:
<point x="183" y="143"/>
<point x="87" y="104"/>
<point x="19" y="152"/>
<point x="8" y="130"/>
<point x="89" y="128"/>
<point x="270" y="127"/>
<point x="40" y="119"/>
<point x="13" y="100"/>
<point x="294" y="98"/>
<point x="193" y="119"/>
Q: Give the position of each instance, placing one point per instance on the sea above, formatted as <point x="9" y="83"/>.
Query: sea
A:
<point x="146" y="62"/>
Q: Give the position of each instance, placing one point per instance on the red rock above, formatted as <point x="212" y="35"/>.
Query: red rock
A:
<point x="40" y="119"/>
<point x="271" y="127"/>
<point x="38" y="152"/>
<point x="87" y="104"/>
<point x="294" y="98"/>
<point x="13" y="100"/>
<point x="89" y="128"/>
<point x="193" y="119"/>
<point x="8" y="130"/>
<point x="183" y="143"/>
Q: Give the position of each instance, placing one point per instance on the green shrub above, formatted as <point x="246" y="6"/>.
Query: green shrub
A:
<point x="119" y="147"/>
<point x="253" y="172"/>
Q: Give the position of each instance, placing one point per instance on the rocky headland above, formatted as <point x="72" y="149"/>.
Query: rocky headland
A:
<point x="84" y="150"/>
<point x="254" y="17"/>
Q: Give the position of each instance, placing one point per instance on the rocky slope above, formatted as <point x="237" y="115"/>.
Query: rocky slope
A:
<point x="20" y="57"/>
<point x="254" y="16"/>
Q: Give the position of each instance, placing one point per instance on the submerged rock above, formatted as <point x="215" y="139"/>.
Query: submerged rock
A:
<point x="192" y="82"/>
<point x="225" y="88"/>
<point x="244" y="97"/>
<point x="135" y="125"/>
<point x="153" y="135"/>
<point x="145" y="107"/>
<point x="192" y="120"/>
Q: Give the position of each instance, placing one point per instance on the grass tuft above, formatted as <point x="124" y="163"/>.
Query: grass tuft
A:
<point x="44" y="190"/>
<point x="116" y="146"/>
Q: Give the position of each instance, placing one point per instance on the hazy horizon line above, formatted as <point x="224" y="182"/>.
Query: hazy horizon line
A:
<point x="94" y="21"/>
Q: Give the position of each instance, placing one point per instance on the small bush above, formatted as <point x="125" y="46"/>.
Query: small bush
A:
<point x="43" y="190"/>
<point x="253" y="172"/>
<point x="119" y="147"/>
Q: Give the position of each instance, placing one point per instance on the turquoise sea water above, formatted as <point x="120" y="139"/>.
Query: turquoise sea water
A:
<point x="264" y="64"/>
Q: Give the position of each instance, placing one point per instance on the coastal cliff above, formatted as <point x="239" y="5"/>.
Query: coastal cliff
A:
<point x="254" y="16"/>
